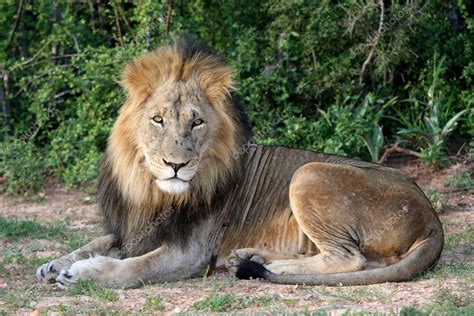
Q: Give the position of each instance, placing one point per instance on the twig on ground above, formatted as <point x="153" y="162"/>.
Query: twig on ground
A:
<point x="395" y="148"/>
<point x="460" y="149"/>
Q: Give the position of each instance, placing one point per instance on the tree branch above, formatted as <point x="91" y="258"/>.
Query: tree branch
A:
<point x="395" y="148"/>
<point x="313" y="54"/>
<point x="3" y="97"/>
<point x="374" y="42"/>
<point x="61" y="94"/>
<point x="117" y="24"/>
<point x="124" y="18"/>
<point x="17" y="23"/>
<point x="355" y="18"/>
<point x="169" y="11"/>
<point x="29" y="60"/>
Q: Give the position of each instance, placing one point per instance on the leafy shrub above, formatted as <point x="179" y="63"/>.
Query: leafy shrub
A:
<point x="333" y="130"/>
<point x="22" y="167"/>
<point x="297" y="61"/>
<point x="437" y="123"/>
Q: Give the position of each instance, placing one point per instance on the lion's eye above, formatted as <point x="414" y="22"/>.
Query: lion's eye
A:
<point x="197" y="122"/>
<point x="157" y="120"/>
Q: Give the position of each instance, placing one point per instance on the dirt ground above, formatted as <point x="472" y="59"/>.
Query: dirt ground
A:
<point x="447" y="289"/>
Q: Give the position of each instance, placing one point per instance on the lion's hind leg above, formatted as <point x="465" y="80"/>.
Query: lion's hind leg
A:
<point x="324" y="262"/>
<point x="262" y="256"/>
<point x="325" y="222"/>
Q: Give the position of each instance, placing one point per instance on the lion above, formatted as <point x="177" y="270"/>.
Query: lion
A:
<point x="179" y="202"/>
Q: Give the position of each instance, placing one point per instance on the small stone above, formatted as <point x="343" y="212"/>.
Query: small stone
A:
<point x="307" y="297"/>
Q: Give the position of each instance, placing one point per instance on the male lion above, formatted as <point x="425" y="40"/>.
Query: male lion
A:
<point x="177" y="200"/>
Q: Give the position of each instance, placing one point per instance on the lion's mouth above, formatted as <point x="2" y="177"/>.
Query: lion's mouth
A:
<point x="173" y="185"/>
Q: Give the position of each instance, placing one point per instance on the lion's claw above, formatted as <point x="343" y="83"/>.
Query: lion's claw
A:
<point x="65" y="278"/>
<point x="48" y="272"/>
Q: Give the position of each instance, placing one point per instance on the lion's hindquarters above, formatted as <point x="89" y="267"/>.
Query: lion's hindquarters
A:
<point x="353" y="214"/>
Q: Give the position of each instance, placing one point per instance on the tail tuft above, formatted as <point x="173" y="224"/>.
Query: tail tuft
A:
<point x="251" y="269"/>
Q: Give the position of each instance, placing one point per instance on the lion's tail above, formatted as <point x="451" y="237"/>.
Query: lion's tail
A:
<point x="420" y="259"/>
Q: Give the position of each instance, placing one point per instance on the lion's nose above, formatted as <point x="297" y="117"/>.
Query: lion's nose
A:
<point x="175" y="166"/>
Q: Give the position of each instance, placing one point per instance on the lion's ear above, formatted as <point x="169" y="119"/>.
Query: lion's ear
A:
<point x="138" y="78"/>
<point x="217" y="83"/>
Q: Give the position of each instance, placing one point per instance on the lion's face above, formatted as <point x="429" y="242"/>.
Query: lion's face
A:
<point x="174" y="134"/>
<point x="174" y="138"/>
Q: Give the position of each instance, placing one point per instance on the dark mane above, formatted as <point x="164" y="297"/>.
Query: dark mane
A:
<point x="171" y="225"/>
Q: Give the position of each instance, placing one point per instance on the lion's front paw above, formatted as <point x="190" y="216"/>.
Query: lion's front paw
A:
<point x="234" y="260"/>
<point x="48" y="272"/>
<point x="100" y="269"/>
<point x="71" y="275"/>
<point x="65" y="278"/>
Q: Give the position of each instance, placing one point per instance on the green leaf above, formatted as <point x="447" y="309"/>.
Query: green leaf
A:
<point x="451" y="124"/>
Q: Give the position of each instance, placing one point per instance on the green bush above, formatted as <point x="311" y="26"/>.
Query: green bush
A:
<point x="298" y="64"/>
<point x="23" y="167"/>
<point x="433" y="127"/>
